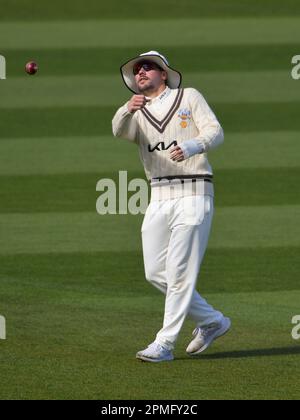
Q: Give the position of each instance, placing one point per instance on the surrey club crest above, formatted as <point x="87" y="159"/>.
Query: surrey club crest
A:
<point x="185" y="116"/>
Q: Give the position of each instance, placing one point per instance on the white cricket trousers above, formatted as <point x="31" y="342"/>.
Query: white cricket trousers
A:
<point x="175" y="235"/>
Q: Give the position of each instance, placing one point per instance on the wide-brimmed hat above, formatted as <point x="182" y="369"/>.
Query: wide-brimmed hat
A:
<point x="174" y="77"/>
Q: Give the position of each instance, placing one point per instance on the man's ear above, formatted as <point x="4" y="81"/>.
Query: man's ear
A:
<point x="165" y="75"/>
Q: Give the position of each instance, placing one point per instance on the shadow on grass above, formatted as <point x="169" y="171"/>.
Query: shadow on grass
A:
<point x="240" y="354"/>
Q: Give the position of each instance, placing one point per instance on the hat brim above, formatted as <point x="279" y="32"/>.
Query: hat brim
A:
<point x="174" y="76"/>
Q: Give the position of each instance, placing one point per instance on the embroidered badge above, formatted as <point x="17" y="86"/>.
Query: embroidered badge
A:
<point x="185" y="116"/>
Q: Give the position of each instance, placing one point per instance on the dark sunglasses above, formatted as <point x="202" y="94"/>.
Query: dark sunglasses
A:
<point x="146" y="65"/>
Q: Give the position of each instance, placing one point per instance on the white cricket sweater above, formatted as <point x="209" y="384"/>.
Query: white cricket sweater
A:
<point x="176" y="115"/>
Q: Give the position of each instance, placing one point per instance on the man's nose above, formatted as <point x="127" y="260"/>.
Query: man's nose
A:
<point x="142" y="70"/>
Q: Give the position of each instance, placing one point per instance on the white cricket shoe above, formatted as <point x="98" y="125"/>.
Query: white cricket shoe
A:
<point x="155" y="353"/>
<point x="206" y="335"/>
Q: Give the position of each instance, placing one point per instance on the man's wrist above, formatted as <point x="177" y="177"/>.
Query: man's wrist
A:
<point x="191" y="148"/>
<point x="127" y="110"/>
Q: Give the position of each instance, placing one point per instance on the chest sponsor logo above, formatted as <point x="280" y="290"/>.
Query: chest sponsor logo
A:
<point x="161" y="146"/>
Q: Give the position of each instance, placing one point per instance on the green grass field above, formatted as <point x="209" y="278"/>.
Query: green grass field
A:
<point x="72" y="285"/>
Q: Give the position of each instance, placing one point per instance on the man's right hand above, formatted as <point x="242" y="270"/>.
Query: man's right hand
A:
<point x="136" y="102"/>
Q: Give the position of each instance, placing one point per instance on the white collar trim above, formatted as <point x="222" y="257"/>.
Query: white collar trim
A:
<point x="160" y="97"/>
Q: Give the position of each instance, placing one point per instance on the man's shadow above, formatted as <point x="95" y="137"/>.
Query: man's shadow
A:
<point x="240" y="354"/>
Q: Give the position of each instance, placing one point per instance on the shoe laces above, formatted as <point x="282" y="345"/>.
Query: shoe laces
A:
<point x="155" y="347"/>
<point x="204" y="331"/>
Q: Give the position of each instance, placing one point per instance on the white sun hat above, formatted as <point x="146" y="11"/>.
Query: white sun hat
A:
<point x="174" y="77"/>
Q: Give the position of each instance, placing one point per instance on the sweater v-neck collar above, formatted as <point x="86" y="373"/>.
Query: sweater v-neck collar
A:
<point x="161" y="125"/>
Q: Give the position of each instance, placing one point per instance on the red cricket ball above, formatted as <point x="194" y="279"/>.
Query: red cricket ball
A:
<point x="31" y="67"/>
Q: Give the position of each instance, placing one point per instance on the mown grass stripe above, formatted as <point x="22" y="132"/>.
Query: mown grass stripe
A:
<point x="115" y="33"/>
<point x="69" y="155"/>
<point x="218" y="87"/>
<point x="258" y="150"/>
<point x="223" y="271"/>
<point x="93" y="121"/>
<point x="234" y="227"/>
<point x="77" y="192"/>
<point x="257" y="187"/>
<point x="116" y="9"/>
<point x="107" y="60"/>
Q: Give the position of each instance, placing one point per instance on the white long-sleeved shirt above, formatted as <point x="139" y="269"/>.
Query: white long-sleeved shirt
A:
<point x="173" y="117"/>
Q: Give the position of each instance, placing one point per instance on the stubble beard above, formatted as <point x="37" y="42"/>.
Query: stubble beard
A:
<point x="147" y="86"/>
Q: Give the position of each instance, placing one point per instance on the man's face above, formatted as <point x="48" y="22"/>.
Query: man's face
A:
<point x="148" y="75"/>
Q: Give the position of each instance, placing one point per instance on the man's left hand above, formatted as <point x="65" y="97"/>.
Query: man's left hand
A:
<point x="176" y="154"/>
